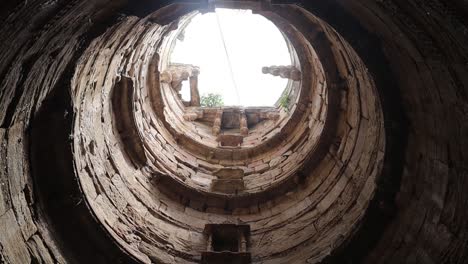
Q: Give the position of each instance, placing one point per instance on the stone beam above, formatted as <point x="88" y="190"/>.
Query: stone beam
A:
<point x="285" y="72"/>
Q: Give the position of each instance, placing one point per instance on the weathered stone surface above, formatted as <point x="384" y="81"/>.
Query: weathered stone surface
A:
<point x="39" y="252"/>
<point x="414" y="51"/>
<point x="5" y="200"/>
<point x="14" y="249"/>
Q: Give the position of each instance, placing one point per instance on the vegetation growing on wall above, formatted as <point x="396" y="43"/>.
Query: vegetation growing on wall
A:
<point x="212" y="100"/>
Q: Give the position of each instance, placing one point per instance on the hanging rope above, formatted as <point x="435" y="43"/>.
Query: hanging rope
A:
<point x="227" y="57"/>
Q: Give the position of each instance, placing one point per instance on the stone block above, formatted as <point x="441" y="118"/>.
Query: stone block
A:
<point x="11" y="240"/>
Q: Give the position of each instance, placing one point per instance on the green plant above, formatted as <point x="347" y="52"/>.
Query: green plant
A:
<point x="211" y="100"/>
<point x="285" y="101"/>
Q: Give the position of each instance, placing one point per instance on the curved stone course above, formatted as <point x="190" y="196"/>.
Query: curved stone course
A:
<point x="98" y="164"/>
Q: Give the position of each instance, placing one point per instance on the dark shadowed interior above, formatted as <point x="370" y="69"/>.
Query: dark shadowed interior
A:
<point x="362" y="159"/>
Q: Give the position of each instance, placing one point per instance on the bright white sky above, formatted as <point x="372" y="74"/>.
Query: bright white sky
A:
<point x="252" y="41"/>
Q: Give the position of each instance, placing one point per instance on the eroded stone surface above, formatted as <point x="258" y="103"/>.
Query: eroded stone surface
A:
<point x="421" y="42"/>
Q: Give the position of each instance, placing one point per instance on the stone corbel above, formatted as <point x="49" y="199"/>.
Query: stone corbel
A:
<point x="192" y="116"/>
<point x="285" y="72"/>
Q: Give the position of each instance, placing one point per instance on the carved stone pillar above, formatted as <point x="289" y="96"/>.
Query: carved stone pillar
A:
<point x="194" y="94"/>
<point x="217" y="122"/>
<point x="242" y="242"/>
<point x="209" y="246"/>
<point x="286" y="72"/>
<point x="244" y="130"/>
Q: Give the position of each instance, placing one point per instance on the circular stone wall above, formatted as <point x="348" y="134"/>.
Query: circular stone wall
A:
<point x="153" y="191"/>
<point x="83" y="181"/>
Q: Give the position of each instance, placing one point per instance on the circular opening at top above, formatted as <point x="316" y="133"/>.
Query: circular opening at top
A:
<point x="230" y="49"/>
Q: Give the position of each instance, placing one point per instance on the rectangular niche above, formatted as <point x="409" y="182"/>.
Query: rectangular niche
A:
<point x="227" y="244"/>
<point x="228" y="181"/>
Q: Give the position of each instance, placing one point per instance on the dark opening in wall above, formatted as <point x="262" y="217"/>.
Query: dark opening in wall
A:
<point x="226" y="240"/>
<point x="57" y="189"/>
<point x="227" y="243"/>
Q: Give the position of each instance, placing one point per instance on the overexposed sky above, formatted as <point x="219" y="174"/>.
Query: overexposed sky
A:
<point x="252" y="41"/>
